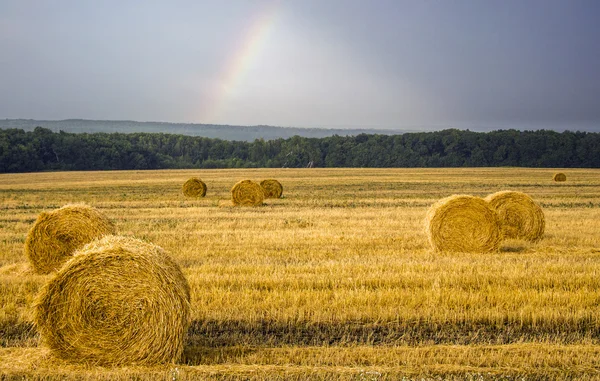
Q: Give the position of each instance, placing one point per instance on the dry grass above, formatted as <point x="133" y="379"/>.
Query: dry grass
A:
<point x="56" y="235"/>
<point x="448" y="362"/>
<point x="117" y="301"/>
<point x="339" y="270"/>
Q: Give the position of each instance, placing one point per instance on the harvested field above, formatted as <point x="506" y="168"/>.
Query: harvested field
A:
<point x="337" y="280"/>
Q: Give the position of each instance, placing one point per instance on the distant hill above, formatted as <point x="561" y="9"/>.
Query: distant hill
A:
<point x="225" y="132"/>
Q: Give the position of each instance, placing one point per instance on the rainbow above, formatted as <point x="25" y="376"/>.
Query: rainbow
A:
<point x="250" y="47"/>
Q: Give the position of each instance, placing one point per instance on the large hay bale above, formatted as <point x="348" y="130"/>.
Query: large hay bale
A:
<point x="247" y="193"/>
<point x="194" y="187"/>
<point x="57" y="234"/>
<point x="118" y="301"/>
<point x="520" y="216"/>
<point x="272" y="188"/>
<point x="559" y="177"/>
<point x="464" y="224"/>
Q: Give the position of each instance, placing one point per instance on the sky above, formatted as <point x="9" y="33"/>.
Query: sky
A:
<point x="397" y="64"/>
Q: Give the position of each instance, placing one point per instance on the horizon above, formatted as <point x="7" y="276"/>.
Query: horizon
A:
<point x="587" y="127"/>
<point x="336" y="64"/>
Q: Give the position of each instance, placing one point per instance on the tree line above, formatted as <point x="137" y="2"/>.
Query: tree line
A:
<point x="43" y="150"/>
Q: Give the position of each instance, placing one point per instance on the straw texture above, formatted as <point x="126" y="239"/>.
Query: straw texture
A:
<point x="463" y="223"/>
<point x="247" y="193"/>
<point x="118" y="301"/>
<point x="520" y="216"/>
<point x="272" y="188"/>
<point x="55" y="235"/>
<point x="194" y="187"/>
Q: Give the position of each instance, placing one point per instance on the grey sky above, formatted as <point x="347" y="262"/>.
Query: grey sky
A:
<point x="306" y="63"/>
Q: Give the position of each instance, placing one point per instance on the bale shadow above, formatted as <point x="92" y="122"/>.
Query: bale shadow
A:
<point x="201" y="355"/>
<point x="238" y="333"/>
<point x="21" y="335"/>
<point x="515" y="246"/>
<point x="513" y="249"/>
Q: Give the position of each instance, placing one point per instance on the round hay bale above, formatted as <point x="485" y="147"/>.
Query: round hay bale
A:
<point x="559" y="177"/>
<point x="272" y="188"/>
<point x="247" y="193"/>
<point x="194" y="187"/>
<point x="520" y="216"/>
<point x="55" y="235"/>
<point x="118" y="301"/>
<point x="463" y="223"/>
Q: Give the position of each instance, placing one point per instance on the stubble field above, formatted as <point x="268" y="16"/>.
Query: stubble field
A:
<point x="336" y="280"/>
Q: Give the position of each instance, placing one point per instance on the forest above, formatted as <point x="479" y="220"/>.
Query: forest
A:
<point x="44" y="150"/>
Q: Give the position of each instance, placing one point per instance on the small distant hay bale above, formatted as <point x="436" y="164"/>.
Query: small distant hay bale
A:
<point x="194" y="187"/>
<point x="463" y="223"/>
<point x="247" y="193"/>
<point x="118" y="301"/>
<point x="55" y="235"/>
<point x="272" y="188"/>
<point x="520" y="216"/>
<point x="559" y="177"/>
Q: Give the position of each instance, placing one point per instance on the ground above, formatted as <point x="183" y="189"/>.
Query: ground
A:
<point x="336" y="280"/>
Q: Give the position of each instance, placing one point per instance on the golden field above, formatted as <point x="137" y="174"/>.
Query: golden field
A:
<point x="336" y="280"/>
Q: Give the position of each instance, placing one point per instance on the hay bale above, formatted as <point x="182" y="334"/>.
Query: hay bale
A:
<point x="55" y="235"/>
<point x="559" y="177"/>
<point x="194" y="187"/>
<point x="272" y="188"/>
<point x="464" y="224"/>
<point x="118" y="301"/>
<point x="520" y="216"/>
<point x="247" y="193"/>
